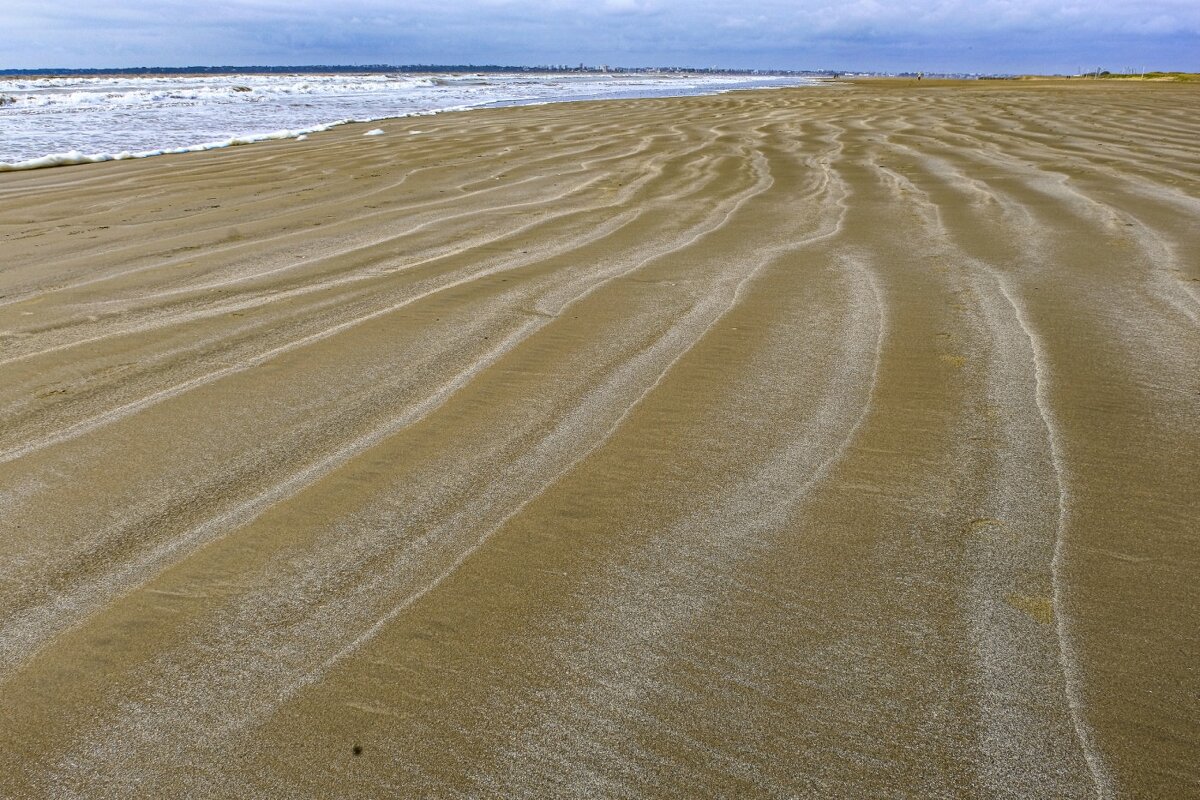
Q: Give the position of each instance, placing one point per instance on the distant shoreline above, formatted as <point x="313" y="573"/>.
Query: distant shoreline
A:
<point x="581" y="69"/>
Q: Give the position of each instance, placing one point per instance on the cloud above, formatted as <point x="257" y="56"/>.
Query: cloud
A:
<point x="629" y="6"/>
<point x="1010" y="35"/>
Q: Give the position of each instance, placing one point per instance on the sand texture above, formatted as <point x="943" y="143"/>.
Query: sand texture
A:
<point x="832" y="442"/>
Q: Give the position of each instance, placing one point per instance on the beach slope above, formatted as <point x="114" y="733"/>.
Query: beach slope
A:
<point x="837" y="441"/>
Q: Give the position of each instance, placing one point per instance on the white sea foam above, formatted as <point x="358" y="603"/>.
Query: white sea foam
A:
<point x="76" y="157"/>
<point x="78" y="120"/>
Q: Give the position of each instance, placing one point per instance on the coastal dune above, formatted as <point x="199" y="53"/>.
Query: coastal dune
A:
<point x="835" y="441"/>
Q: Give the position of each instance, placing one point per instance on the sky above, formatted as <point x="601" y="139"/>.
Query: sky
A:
<point x="987" y="36"/>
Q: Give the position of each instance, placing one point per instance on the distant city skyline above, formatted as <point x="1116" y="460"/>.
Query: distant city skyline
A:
<point x="946" y="36"/>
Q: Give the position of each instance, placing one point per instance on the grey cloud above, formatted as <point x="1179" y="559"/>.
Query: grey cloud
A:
<point x="987" y="35"/>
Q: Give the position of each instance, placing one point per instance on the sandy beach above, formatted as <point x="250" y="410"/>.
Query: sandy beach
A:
<point x="825" y="442"/>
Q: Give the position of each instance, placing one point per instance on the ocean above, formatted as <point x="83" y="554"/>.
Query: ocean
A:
<point x="53" y="121"/>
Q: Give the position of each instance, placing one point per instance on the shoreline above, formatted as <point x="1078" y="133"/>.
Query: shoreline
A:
<point x="76" y="157"/>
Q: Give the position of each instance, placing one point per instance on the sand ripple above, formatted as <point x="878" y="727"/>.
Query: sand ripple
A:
<point x="827" y="442"/>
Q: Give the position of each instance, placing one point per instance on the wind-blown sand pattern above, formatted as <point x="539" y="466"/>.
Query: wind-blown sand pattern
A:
<point x="820" y="442"/>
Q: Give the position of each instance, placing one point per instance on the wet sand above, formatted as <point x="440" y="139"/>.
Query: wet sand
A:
<point x="827" y="442"/>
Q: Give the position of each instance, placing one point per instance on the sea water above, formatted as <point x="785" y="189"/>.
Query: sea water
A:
<point x="49" y="121"/>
